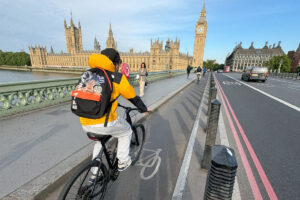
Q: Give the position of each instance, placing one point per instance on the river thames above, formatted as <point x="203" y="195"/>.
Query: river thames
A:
<point x="7" y="76"/>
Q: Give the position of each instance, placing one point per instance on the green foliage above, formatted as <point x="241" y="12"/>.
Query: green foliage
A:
<point x="298" y="69"/>
<point x="210" y="64"/>
<point x="274" y="63"/>
<point x="14" y="58"/>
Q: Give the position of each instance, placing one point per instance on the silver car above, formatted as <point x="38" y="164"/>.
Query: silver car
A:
<point x="255" y="73"/>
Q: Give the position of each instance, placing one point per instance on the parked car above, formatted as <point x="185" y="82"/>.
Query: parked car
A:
<point x="255" y="73"/>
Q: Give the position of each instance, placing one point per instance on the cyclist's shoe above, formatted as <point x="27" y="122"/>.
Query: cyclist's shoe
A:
<point x="124" y="165"/>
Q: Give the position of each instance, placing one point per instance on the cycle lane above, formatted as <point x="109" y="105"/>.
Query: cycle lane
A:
<point x="167" y="133"/>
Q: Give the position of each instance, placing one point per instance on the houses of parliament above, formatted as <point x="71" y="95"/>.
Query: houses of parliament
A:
<point x="159" y="58"/>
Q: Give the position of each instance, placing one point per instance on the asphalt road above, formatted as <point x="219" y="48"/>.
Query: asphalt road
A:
<point x="273" y="130"/>
<point x="285" y="89"/>
<point x="32" y="143"/>
<point x="168" y="130"/>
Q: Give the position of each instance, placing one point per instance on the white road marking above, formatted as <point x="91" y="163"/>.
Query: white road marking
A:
<point x="231" y="83"/>
<point x="268" y="95"/>
<point x="236" y="195"/>
<point x="181" y="179"/>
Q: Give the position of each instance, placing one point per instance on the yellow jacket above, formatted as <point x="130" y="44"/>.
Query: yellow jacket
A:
<point x="121" y="86"/>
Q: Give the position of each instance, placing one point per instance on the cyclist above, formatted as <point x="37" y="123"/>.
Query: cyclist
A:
<point x="198" y="72"/>
<point x="109" y="59"/>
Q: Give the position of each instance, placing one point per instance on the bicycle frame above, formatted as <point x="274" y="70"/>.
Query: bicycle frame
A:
<point x="104" y="150"/>
<point x="103" y="142"/>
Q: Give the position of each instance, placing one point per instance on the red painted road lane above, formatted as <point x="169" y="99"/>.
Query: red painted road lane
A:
<point x="253" y="184"/>
<point x="257" y="164"/>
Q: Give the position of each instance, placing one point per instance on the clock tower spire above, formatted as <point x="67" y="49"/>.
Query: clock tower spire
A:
<point x="200" y="36"/>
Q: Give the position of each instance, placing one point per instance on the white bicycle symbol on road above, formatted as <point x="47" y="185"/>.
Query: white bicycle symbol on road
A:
<point x="151" y="160"/>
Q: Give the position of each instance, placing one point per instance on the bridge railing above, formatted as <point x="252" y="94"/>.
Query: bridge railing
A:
<point x="285" y="75"/>
<point x="26" y="96"/>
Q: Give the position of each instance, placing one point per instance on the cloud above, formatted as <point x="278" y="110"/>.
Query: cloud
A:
<point x="134" y="22"/>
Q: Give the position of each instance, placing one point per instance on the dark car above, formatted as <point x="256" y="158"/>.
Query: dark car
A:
<point x="255" y="73"/>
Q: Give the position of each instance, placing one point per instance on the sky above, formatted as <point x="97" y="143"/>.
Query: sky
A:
<point x="135" y="22"/>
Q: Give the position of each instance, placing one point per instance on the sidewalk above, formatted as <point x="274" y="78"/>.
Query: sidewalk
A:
<point x="34" y="143"/>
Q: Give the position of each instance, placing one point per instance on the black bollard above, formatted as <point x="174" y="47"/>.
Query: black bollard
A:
<point x="211" y="132"/>
<point x="213" y="95"/>
<point x="221" y="175"/>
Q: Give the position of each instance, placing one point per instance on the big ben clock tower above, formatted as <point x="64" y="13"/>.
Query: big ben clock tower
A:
<point x="200" y="35"/>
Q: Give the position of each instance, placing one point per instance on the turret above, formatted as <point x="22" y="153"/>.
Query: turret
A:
<point x="266" y="45"/>
<point x="251" y="47"/>
<point x="97" y="46"/>
<point x="279" y="43"/>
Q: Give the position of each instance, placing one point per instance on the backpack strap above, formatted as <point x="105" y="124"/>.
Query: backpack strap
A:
<point x="108" y="111"/>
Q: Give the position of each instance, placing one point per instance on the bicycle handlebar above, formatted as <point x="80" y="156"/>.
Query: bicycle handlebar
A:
<point x="128" y="109"/>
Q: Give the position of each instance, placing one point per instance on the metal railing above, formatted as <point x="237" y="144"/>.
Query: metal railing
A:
<point x="285" y="75"/>
<point x="26" y="96"/>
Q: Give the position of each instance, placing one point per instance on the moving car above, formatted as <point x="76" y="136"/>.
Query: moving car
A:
<point x="255" y="73"/>
<point x="220" y="70"/>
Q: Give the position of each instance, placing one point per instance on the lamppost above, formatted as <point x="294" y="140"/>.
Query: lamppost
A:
<point x="280" y="63"/>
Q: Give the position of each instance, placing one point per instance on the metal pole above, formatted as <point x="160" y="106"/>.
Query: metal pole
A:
<point x="211" y="132"/>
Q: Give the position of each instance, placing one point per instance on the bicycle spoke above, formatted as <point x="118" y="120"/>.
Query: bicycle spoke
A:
<point x="82" y="188"/>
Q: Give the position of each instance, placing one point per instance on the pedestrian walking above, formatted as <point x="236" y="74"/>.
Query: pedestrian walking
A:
<point x="142" y="73"/>
<point x="204" y="71"/>
<point x="188" y="70"/>
<point x="198" y="73"/>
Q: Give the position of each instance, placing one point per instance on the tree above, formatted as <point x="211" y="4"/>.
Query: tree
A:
<point x="274" y="63"/>
<point x="210" y="64"/>
<point x="16" y="59"/>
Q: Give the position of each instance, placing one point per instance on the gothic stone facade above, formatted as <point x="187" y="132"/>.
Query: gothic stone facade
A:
<point x="295" y="57"/>
<point x="158" y="59"/>
<point x="241" y="58"/>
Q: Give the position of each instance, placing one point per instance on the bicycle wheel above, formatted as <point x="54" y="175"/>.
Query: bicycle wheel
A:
<point x="137" y="142"/>
<point x="79" y="186"/>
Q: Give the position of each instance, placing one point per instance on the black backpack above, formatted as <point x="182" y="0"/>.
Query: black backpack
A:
<point x="91" y="97"/>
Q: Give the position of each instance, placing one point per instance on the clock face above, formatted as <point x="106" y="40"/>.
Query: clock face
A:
<point x="200" y="29"/>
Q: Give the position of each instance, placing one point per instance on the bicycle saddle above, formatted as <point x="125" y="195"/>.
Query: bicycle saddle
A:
<point x="94" y="136"/>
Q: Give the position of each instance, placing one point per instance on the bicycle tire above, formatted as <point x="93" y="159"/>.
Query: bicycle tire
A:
<point x="136" y="148"/>
<point x="84" y="188"/>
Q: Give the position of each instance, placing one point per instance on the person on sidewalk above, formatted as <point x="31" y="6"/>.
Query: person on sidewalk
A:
<point x="188" y="70"/>
<point x="142" y="73"/>
<point x="109" y="60"/>
<point x="198" y="73"/>
<point x="204" y="71"/>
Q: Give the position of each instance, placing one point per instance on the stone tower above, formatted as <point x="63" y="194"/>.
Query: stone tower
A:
<point x="200" y="36"/>
<point x="110" y="42"/>
<point x="73" y="37"/>
<point x="97" y="46"/>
